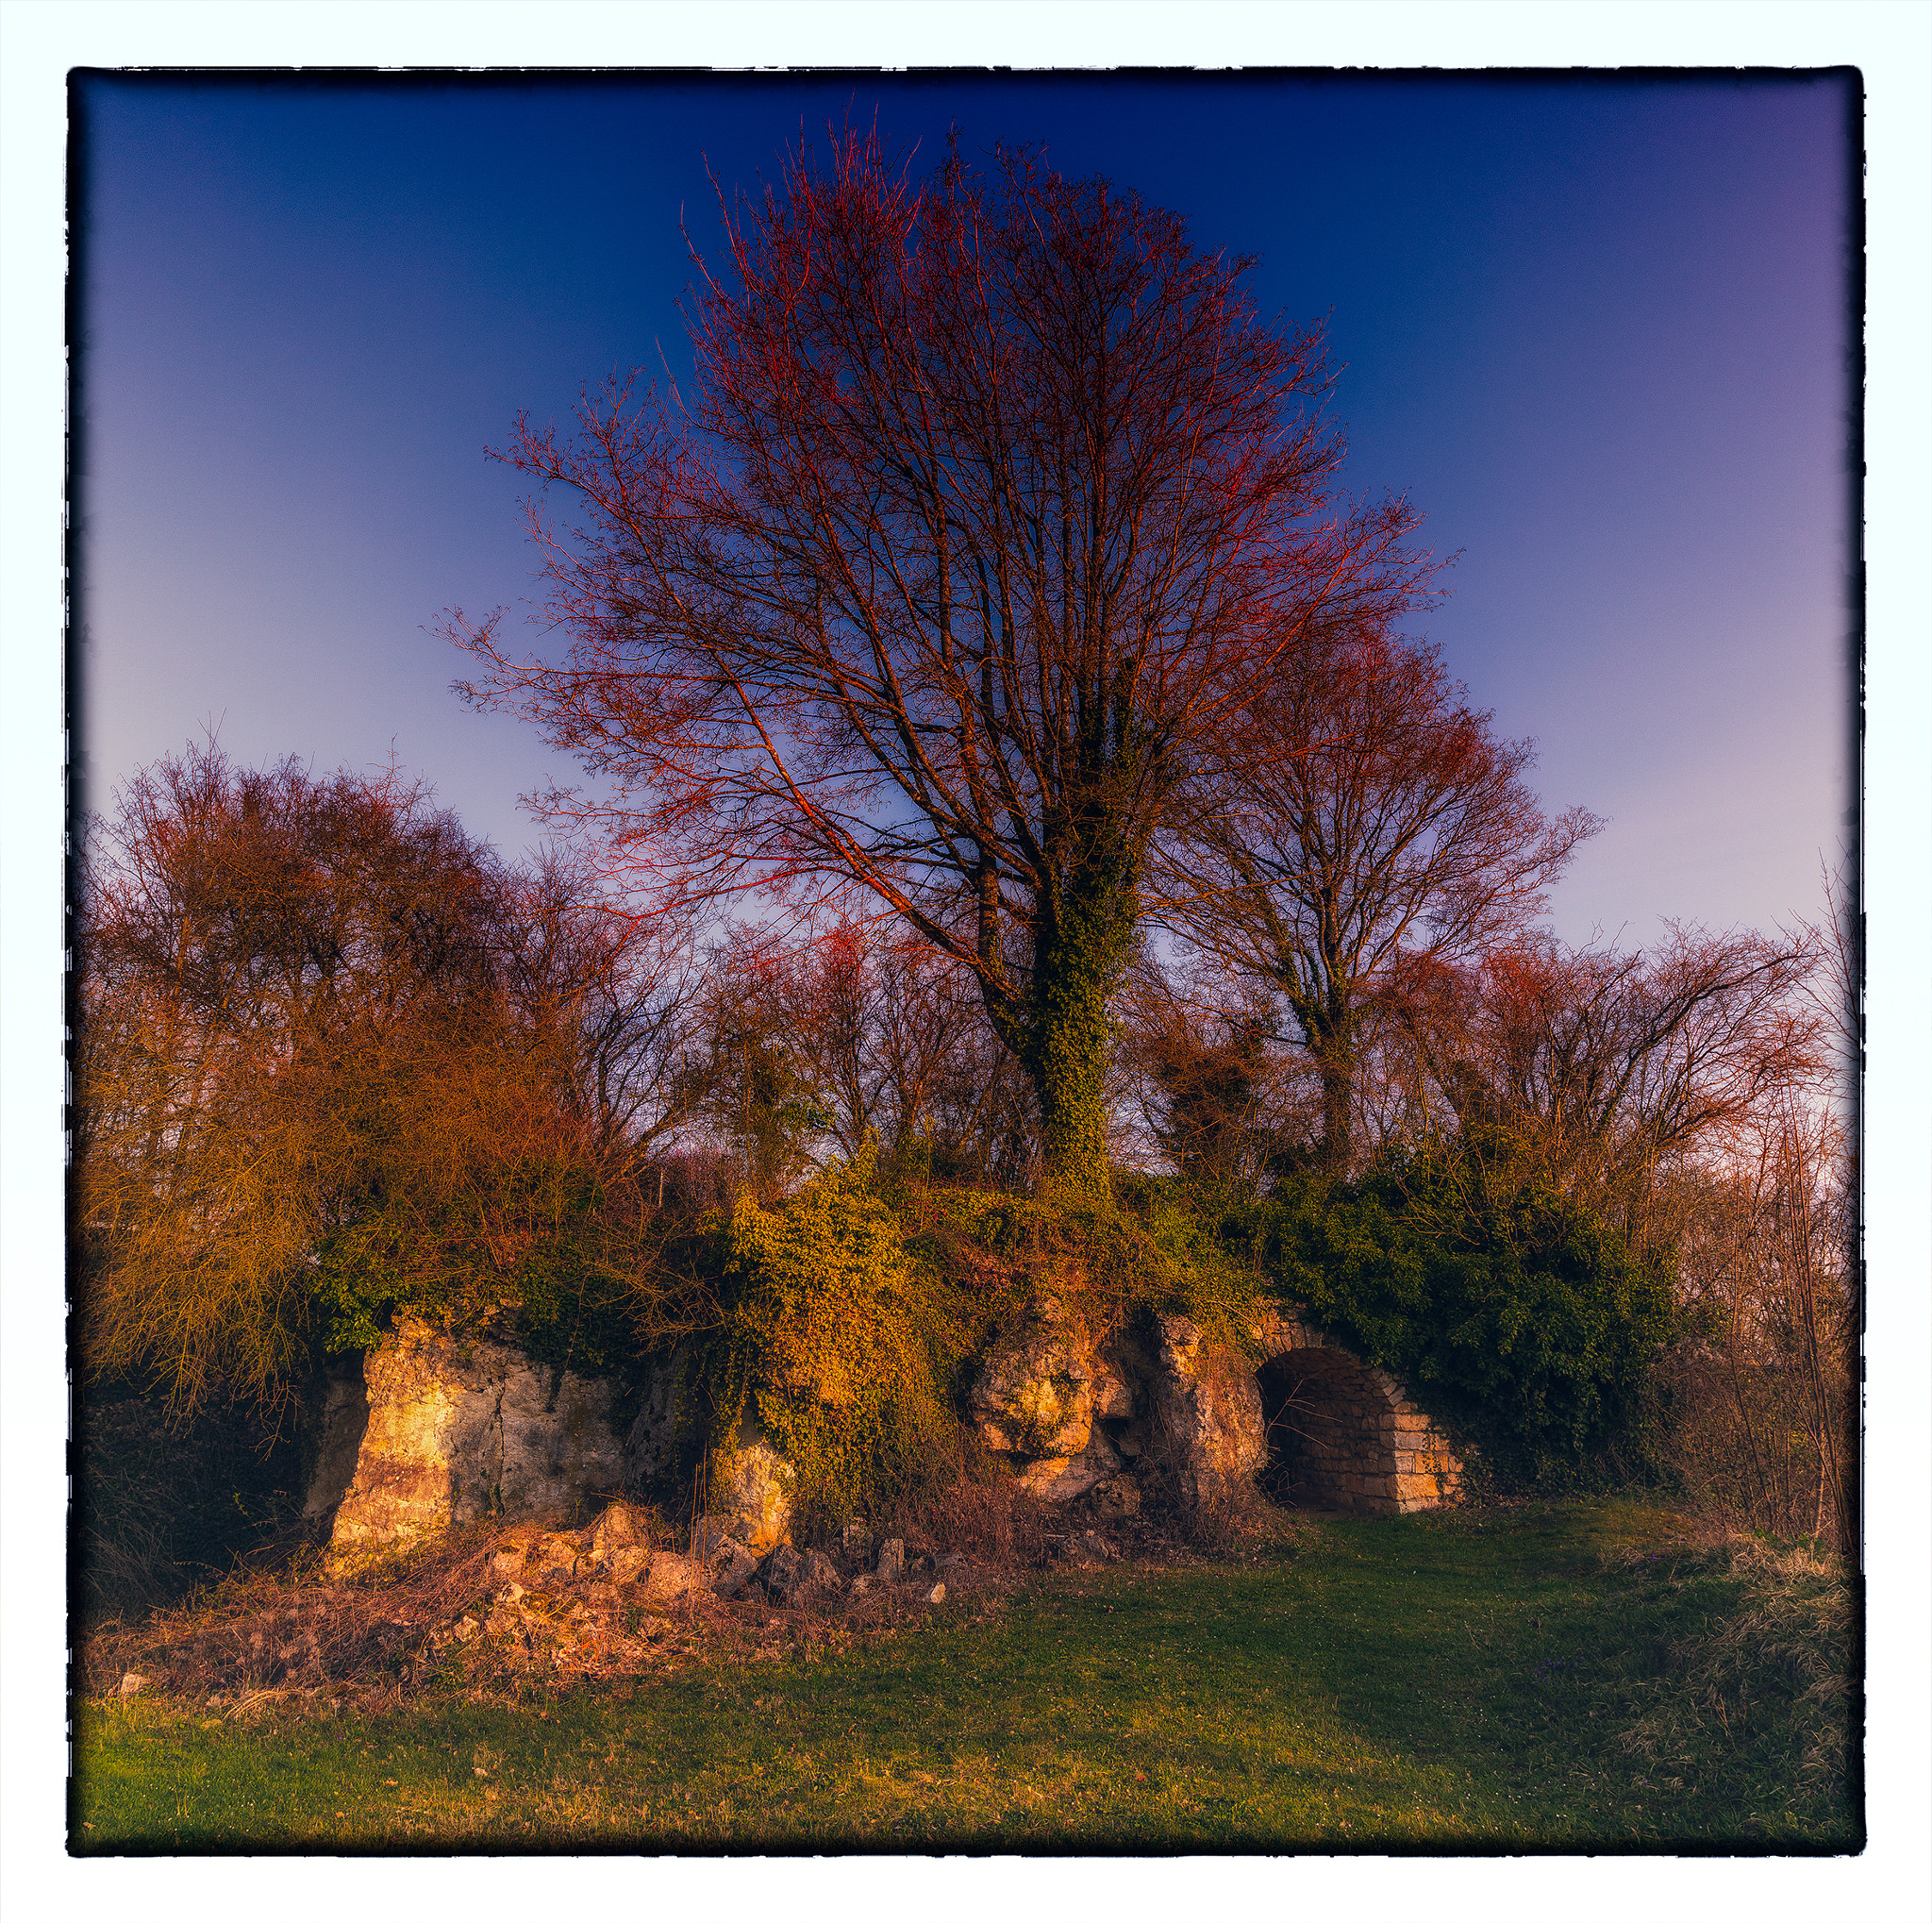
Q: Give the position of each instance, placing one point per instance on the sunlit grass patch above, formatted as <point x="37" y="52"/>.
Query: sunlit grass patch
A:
<point x="1465" y="1680"/>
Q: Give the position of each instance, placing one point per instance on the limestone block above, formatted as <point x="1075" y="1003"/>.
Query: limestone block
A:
<point x="1207" y="1413"/>
<point x="627" y="1564"/>
<point x="1276" y="1334"/>
<point x="1113" y="1395"/>
<point x="1034" y="1393"/>
<point x="552" y="1563"/>
<point x="459" y="1431"/>
<point x="1057" y="1478"/>
<point x="732" y="1569"/>
<point x="339" y="1418"/>
<point x="617" y="1527"/>
<point x="754" y="1485"/>
<point x="709" y="1534"/>
<point x="400" y="1493"/>
<point x="1065" y="1478"/>
<point x="619" y="1548"/>
<point x="728" y="1565"/>
<point x="891" y="1561"/>
<point x="554" y="1445"/>
<point x="667" y="1577"/>
<point x="1180" y="1341"/>
<point x="791" y="1576"/>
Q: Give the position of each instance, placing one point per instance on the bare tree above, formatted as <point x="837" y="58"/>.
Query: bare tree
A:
<point x="862" y="1032"/>
<point x="993" y="500"/>
<point x="1356" y="815"/>
<point x="1217" y="1092"/>
<point x="1598" y="1069"/>
<point x="1764" y="1396"/>
<point x="619" y="996"/>
<point x="321" y="1029"/>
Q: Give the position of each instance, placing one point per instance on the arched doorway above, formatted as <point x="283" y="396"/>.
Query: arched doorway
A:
<point x="1340" y="1436"/>
<point x="1325" y="1446"/>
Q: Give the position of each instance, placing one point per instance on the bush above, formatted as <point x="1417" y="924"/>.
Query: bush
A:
<point x="543" y="1252"/>
<point x="1162" y="1247"/>
<point x="846" y="1350"/>
<point x="163" y="1506"/>
<point x="1519" y="1320"/>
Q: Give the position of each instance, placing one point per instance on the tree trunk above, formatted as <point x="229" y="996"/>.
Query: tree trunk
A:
<point x="1338" y="1113"/>
<point x="1068" y="1061"/>
<point x="1059" y="1032"/>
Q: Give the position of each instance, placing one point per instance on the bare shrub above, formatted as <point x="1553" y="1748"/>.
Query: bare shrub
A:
<point x="1762" y="1409"/>
<point x="303" y="1627"/>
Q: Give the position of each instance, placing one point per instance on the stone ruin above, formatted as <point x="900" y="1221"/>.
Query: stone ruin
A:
<point x="428" y="1432"/>
<point x="425" y="1432"/>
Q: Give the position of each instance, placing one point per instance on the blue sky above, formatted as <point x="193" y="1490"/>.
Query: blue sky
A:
<point x="1596" y="330"/>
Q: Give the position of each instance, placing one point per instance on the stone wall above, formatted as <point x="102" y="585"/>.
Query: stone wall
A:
<point x="746" y="1484"/>
<point x="1203" y="1419"/>
<point x="1158" y="1409"/>
<point x="457" y="1431"/>
<point x="338" y="1417"/>
<point x="432" y="1433"/>
<point x="1345" y="1436"/>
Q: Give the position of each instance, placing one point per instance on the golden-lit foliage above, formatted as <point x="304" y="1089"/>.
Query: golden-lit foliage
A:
<point x="843" y="1346"/>
<point x="318" y="1021"/>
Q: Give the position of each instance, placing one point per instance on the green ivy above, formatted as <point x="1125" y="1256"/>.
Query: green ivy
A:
<point x="1150" y="1247"/>
<point x="540" y="1259"/>
<point x="1520" y="1319"/>
<point x="843" y="1348"/>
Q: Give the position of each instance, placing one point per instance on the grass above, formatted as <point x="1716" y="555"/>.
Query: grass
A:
<point x="1579" y="1677"/>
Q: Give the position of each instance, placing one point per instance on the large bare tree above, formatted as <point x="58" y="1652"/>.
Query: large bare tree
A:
<point x="991" y="499"/>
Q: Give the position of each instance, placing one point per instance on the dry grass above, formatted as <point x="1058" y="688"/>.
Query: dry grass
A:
<point x="1784" y="1654"/>
<point x="264" y="1633"/>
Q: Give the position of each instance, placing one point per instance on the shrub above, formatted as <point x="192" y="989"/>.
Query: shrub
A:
<point x="543" y="1252"/>
<point x="163" y="1506"/>
<point x="1161" y="1248"/>
<point x="846" y="1349"/>
<point x="1519" y="1319"/>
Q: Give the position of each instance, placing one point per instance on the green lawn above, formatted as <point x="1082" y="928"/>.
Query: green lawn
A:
<point x="1426" y="1680"/>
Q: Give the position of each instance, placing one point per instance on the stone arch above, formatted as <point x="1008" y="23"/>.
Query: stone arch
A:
<point x="1342" y="1435"/>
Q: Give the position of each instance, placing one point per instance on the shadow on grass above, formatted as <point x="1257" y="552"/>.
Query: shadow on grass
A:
<point x="1461" y="1682"/>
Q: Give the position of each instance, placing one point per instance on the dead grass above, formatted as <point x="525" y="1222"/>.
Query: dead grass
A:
<point x="258" y="1634"/>
<point x="1784" y="1655"/>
